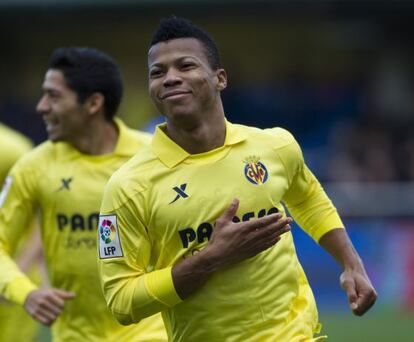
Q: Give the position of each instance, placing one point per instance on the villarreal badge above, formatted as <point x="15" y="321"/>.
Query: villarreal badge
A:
<point x="255" y="171"/>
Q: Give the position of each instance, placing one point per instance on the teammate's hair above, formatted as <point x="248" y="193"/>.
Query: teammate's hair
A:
<point x="89" y="71"/>
<point x="176" y="27"/>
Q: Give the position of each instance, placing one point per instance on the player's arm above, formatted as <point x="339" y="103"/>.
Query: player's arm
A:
<point x="354" y="279"/>
<point x="132" y="293"/>
<point x="16" y="215"/>
<point x="32" y="253"/>
<point x="315" y="213"/>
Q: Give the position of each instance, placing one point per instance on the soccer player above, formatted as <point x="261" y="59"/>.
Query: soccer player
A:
<point x="64" y="178"/>
<point x="15" y="324"/>
<point x="198" y="229"/>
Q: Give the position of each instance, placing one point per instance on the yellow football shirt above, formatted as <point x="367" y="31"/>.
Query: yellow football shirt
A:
<point x="67" y="187"/>
<point x="160" y="207"/>
<point x="15" y="323"/>
<point x="12" y="146"/>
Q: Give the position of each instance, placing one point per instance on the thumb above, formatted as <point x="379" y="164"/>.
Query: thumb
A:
<point x="349" y="286"/>
<point x="231" y="211"/>
<point x="65" y="294"/>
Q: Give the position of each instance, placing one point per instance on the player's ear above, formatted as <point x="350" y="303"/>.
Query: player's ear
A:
<point x="221" y="79"/>
<point x="94" y="103"/>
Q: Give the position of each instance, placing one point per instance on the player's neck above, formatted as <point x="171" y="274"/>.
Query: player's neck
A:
<point x="199" y="135"/>
<point x="97" y="138"/>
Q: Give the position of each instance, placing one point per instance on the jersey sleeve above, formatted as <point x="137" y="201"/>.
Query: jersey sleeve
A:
<point x="132" y="291"/>
<point x="305" y="198"/>
<point x="16" y="215"/>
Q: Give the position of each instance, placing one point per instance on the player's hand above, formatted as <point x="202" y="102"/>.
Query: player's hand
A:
<point x="233" y="242"/>
<point x="361" y="294"/>
<point x="45" y="305"/>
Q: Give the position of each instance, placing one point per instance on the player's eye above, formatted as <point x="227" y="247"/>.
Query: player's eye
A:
<point x="53" y="95"/>
<point x="155" y="73"/>
<point x="187" y="66"/>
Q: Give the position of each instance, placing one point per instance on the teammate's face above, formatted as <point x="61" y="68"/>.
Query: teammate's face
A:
<point x="59" y="107"/>
<point x="181" y="81"/>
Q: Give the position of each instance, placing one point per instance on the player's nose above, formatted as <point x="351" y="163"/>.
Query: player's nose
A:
<point x="43" y="105"/>
<point x="172" y="78"/>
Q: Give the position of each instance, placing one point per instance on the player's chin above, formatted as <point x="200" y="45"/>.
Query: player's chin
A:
<point x="179" y="112"/>
<point x="55" y="137"/>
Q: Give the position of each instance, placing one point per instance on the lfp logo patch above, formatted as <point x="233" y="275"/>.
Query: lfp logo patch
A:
<point x="255" y="171"/>
<point x="109" y="243"/>
<point x="107" y="231"/>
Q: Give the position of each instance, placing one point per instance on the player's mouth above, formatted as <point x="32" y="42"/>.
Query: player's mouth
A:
<point x="175" y="94"/>
<point x="50" y="125"/>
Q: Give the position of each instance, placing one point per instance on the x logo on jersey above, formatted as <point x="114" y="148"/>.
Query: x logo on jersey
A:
<point x="65" y="184"/>
<point x="180" y="192"/>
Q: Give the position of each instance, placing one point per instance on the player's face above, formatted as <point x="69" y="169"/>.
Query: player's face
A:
<point x="59" y="107"/>
<point x="181" y="81"/>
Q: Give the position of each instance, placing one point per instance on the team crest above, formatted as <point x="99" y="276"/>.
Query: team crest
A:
<point x="255" y="172"/>
<point x="109" y="243"/>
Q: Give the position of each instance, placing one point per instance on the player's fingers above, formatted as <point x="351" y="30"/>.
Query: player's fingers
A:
<point x="282" y="226"/>
<point x="261" y="222"/>
<point x="55" y="303"/>
<point x="228" y="215"/>
<point x="270" y="233"/>
<point x="348" y="284"/>
<point x="365" y="301"/>
<point x="64" y="294"/>
<point x="44" y="319"/>
<point x="276" y="227"/>
<point x="264" y="241"/>
<point x="56" y="300"/>
<point x="46" y="314"/>
<point x="282" y="230"/>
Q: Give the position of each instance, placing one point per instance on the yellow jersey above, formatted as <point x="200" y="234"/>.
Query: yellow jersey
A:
<point x="67" y="187"/>
<point x="12" y="146"/>
<point x="161" y="206"/>
<point x="15" y="323"/>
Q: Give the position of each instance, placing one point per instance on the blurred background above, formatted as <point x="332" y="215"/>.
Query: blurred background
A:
<point x="338" y="74"/>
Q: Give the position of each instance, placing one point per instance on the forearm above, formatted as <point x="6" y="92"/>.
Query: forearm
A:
<point x="191" y="274"/>
<point x="132" y="295"/>
<point x="337" y="243"/>
<point x="354" y="280"/>
<point x="14" y="284"/>
<point x="32" y="252"/>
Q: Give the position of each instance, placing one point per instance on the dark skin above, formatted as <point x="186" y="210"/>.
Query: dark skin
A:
<point x="354" y="279"/>
<point x="186" y="89"/>
<point x="230" y="243"/>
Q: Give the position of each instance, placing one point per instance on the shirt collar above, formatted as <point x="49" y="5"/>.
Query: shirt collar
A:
<point x="172" y="154"/>
<point x="123" y="145"/>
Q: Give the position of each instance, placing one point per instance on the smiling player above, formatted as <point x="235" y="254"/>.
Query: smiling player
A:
<point x="200" y="231"/>
<point x="64" y="178"/>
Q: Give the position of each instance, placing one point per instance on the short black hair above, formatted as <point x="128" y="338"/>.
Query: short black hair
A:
<point x="87" y="71"/>
<point x="175" y="27"/>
